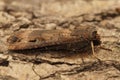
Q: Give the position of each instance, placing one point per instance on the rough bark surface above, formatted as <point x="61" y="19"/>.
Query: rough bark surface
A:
<point x="17" y="15"/>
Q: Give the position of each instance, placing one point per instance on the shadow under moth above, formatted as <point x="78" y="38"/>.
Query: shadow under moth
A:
<point x="65" y="39"/>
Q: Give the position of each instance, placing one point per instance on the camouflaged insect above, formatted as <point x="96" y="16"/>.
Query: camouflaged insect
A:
<point x="78" y="38"/>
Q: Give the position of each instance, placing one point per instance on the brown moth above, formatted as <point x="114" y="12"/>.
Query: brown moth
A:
<point x="78" y="38"/>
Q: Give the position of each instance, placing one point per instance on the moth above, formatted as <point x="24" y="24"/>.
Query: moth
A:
<point x="64" y="39"/>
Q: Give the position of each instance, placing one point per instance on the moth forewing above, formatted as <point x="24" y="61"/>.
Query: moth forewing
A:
<point x="29" y="39"/>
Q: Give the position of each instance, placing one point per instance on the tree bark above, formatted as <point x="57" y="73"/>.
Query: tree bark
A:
<point x="34" y="64"/>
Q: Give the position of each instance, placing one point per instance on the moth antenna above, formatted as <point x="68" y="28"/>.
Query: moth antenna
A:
<point x="92" y="46"/>
<point x="93" y="52"/>
<point x="101" y="47"/>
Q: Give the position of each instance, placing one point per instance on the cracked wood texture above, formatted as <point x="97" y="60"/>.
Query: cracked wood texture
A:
<point x="33" y="64"/>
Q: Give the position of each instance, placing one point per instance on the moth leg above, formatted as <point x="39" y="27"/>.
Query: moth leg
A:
<point x="93" y="52"/>
<point x="82" y="60"/>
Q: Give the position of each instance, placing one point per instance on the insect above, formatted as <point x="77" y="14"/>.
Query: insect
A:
<point x="64" y="39"/>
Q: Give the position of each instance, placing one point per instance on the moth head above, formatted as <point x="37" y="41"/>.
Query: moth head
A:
<point x="96" y="38"/>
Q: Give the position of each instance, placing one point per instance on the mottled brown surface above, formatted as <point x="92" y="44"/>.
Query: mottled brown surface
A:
<point x="31" y="39"/>
<point x="17" y="15"/>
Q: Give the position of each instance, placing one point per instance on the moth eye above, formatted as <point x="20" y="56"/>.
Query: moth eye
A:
<point x="94" y="33"/>
<point x="13" y="39"/>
